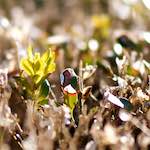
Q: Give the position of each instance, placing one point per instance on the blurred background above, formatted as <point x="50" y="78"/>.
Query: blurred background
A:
<point x="75" y="29"/>
<point x="106" y="42"/>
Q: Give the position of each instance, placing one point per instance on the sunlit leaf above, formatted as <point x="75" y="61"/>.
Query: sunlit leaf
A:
<point x="45" y="56"/>
<point x="70" y="96"/>
<point x="43" y="102"/>
<point x="48" y="62"/>
<point x="26" y="65"/>
<point x="71" y="101"/>
<point x="36" y="57"/>
<point x="50" y="68"/>
<point x="40" y="79"/>
<point x="37" y="78"/>
<point x="37" y="66"/>
<point x="30" y="53"/>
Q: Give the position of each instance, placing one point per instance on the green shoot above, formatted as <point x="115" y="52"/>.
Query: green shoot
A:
<point x="36" y="69"/>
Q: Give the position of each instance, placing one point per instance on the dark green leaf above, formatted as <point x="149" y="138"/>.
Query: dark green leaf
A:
<point x="74" y="82"/>
<point x="127" y="105"/>
<point x="44" y="90"/>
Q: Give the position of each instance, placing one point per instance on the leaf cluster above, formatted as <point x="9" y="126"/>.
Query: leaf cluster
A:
<point x="36" y="69"/>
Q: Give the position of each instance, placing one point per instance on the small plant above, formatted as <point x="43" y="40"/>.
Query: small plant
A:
<point x="33" y="78"/>
<point x="70" y="87"/>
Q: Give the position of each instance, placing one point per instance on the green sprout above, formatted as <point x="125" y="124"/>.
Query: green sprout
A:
<point x="33" y="79"/>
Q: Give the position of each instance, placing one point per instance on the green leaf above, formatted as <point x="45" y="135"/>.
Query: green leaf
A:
<point x="36" y="57"/>
<point x="37" y="66"/>
<point x="43" y="102"/>
<point x="23" y="82"/>
<point x="40" y="79"/>
<point x="48" y="61"/>
<point x="26" y="65"/>
<point x="71" y="100"/>
<point x="50" y="68"/>
<point x="44" y="89"/>
<point x="46" y="56"/>
<point x="127" y="105"/>
<point x="30" y="53"/>
<point x="74" y="82"/>
<point x="37" y="78"/>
